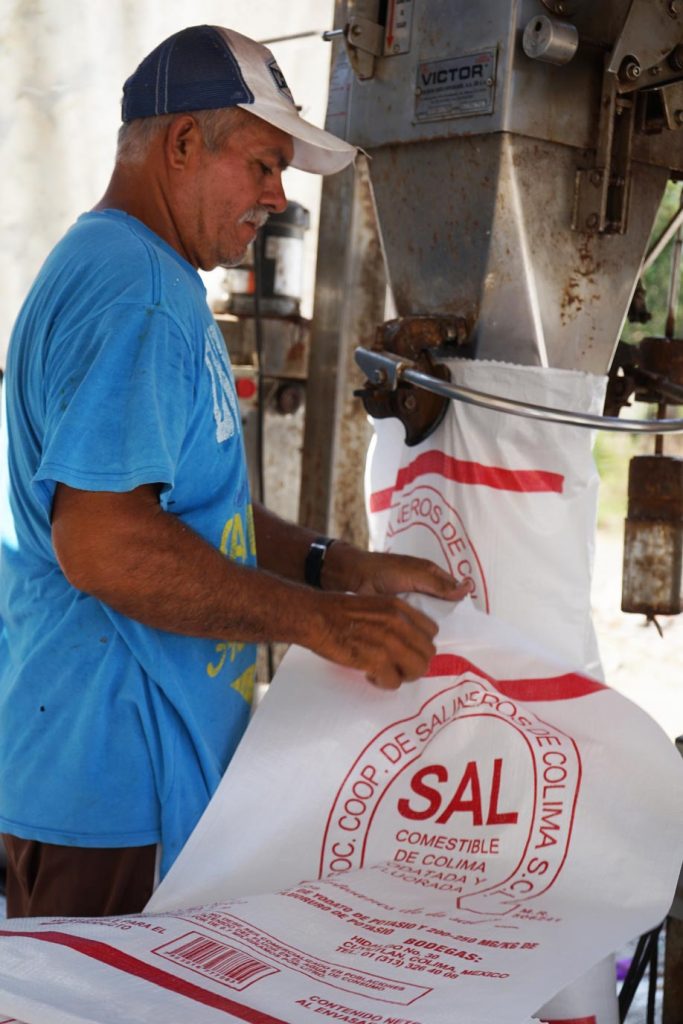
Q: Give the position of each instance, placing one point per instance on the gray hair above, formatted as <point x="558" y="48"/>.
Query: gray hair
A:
<point x="136" y="137"/>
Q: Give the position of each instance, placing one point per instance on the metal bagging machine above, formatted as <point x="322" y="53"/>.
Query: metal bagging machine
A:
<point x="518" y="154"/>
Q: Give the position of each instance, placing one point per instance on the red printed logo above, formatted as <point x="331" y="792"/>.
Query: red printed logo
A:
<point x="456" y="825"/>
<point x="424" y="510"/>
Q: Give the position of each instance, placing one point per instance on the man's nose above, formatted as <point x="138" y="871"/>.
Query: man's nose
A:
<point x="274" y="197"/>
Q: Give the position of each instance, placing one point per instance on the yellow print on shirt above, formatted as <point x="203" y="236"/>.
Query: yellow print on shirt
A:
<point x="236" y="543"/>
<point x="245" y="683"/>
<point x="223" y="650"/>
<point x="234" y="538"/>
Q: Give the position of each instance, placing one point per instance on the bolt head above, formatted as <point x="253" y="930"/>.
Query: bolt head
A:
<point x="592" y="221"/>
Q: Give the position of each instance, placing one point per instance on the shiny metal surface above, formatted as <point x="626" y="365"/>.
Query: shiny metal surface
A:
<point x="550" y="39"/>
<point x="531" y="97"/>
<point x="480" y="228"/>
<point x="505" y="193"/>
<point x="385" y="369"/>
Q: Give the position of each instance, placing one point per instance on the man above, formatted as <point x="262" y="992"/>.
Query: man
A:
<point x="131" y="599"/>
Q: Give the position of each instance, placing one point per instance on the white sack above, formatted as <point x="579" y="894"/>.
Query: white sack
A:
<point x="590" y="1000"/>
<point x="507" y="501"/>
<point x="545" y="847"/>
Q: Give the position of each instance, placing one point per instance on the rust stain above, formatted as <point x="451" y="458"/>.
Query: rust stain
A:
<point x="296" y="354"/>
<point x="582" y="278"/>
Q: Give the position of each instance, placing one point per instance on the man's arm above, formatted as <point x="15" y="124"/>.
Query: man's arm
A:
<point x="282" y="548"/>
<point x="148" y="565"/>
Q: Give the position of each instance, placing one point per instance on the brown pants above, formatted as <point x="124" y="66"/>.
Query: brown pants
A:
<point x="68" y="881"/>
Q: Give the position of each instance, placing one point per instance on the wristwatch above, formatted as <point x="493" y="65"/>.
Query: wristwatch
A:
<point x="313" y="566"/>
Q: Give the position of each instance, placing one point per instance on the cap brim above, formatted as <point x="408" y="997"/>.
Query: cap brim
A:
<point x="315" y="150"/>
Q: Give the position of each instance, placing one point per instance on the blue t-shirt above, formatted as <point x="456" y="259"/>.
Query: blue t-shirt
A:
<point x="112" y="733"/>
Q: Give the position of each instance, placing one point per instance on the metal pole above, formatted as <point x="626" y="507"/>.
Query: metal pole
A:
<point x="662" y="242"/>
<point x="296" y="35"/>
<point x="675" y="278"/>
<point x="350" y="297"/>
<point x="349" y="300"/>
<point x="672" y="1002"/>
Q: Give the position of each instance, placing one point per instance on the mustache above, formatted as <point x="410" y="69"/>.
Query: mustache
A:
<point x="257" y="215"/>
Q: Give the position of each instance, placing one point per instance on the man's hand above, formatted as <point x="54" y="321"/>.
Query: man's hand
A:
<point x="382" y="636"/>
<point x="372" y="629"/>
<point x="368" y="572"/>
<point x="358" y="620"/>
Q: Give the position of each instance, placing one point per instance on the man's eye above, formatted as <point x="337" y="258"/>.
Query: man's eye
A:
<point x="265" y="169"/>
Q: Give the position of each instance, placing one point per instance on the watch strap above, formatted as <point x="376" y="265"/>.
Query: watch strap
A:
<point x="315" y="557"/>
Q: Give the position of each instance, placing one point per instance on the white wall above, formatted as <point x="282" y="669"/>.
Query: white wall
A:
<point x="62" y="68"/>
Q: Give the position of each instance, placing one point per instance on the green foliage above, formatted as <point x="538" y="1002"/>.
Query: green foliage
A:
<point x="656" y="279"/>
<point x="612" y="453"/>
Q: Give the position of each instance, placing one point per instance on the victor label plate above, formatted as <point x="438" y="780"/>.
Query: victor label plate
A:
<point x="456" y="87"/>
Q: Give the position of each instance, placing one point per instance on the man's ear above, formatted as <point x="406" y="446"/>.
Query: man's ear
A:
<point x="183" y="141"/>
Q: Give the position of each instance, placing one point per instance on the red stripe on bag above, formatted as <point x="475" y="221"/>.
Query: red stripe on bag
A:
<point x="564" y="687"/>
<point x="526" y="481"/>
<point x="571" y="1020"/>
<point x="121" y="961"/>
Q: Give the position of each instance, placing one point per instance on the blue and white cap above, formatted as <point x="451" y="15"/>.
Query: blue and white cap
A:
<point x="206" y="67"/>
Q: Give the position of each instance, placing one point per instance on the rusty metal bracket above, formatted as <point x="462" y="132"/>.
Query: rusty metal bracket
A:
<point x="415" y="342"/>
<point x="602" y="192"/>
<point x="364" y="37"/>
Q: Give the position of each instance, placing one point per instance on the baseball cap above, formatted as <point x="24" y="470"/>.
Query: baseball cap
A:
<point x="206" y="67"/>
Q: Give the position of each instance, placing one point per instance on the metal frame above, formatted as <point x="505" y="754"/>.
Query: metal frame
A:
<point x="349" y="264"/>
<point x="387" y="370"/>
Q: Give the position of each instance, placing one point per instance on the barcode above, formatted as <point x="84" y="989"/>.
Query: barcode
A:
<point x="216" y="959"/>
